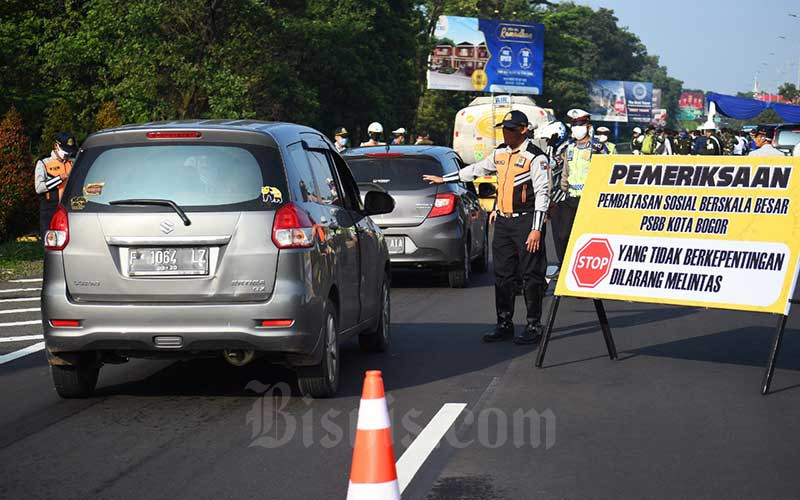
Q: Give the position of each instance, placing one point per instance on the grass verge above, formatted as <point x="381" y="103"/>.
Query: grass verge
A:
<point x="21" y="259"/>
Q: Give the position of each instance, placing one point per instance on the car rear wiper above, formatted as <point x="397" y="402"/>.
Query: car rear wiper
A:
<point x="156" y="202"/>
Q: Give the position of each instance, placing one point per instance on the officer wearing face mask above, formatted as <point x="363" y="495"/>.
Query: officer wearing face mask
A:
<point x="50" y="176"/>
<point x="577" y="159"/>
<point x="340" y="139"/>
<point x="523" y="197"/>
<point x="602" y="137"/>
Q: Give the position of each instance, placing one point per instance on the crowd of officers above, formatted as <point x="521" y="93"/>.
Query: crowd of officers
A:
<point x="707" y="139"/>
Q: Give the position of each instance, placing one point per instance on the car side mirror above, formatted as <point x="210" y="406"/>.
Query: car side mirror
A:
<point x="486" y="190"/>
<point x="377" y="203"/>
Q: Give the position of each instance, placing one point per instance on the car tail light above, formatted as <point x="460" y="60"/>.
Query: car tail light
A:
<point x="383" y="155"/>
<point x="292" y="228"/>
<point x="277" y="323"/>
<point x="65" y="323"/>
<point x="177" y="134"/>
<point x="445" y="204"/>
<point x="57" y="236"/>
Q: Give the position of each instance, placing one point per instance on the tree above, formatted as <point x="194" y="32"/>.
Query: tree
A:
<point x="60" y="118"/>
<point x="670" y="87"/>
<point x="790" y="92"/>
<point x="18" y="211"/>
<point x="107" y="116"/>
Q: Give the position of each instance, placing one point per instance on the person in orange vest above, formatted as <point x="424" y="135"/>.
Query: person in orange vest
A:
<point x="523" y="198"/>
<point x="50" y="176"/>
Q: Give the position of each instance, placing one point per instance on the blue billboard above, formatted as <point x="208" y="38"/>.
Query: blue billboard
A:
<point x="487" y="55"/>
<point x="620" y="101"/>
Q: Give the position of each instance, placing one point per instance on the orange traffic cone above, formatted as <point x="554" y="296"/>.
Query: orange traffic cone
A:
<point x="373" y="474"/>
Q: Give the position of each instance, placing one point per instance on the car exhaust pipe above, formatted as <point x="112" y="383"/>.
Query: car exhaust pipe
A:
<point x="239" y="357"/>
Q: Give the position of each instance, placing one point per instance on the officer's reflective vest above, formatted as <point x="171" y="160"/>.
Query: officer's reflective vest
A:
<point x="612" y="148"/>
<point x="56" y="168"/>
<point x="514" y="187"/>
<point x="578" y="161"/>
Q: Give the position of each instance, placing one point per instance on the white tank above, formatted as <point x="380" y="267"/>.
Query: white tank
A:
<point x="474" y="135"/>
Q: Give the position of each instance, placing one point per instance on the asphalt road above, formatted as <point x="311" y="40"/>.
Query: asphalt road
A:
<point x="679" y="415"/>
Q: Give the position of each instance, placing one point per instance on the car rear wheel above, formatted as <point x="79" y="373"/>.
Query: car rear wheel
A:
<point x="378" y="339"/>
<point x="75" y="381"/>
<point x="322" y="380"/>
<point x="459" y="278"/>
<point x="481" y="264"/>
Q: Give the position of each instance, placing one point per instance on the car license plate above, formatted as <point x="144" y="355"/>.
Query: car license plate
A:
<point x="396" y="244"/>
<point x="177" y="261"/>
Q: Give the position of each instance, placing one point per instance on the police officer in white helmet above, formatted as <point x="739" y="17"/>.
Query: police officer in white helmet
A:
<point x="577" y="158"/>
<point x="375" y="132"/>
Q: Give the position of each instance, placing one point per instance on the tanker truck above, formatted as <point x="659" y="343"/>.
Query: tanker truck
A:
<point x="474" y="135"/>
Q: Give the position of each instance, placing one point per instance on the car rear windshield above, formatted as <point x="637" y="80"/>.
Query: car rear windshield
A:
<point x="197" y="177"/>
<point x="394" y="174"/>
<point x="788" y="137"/>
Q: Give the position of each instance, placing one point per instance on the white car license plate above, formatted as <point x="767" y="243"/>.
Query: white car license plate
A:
<point x="177" y="261"/>
<point x="396" y="244"/>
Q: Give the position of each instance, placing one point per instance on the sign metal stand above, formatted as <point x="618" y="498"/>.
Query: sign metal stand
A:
<point x="769" y="371"/>
<point x="601" y="317"/>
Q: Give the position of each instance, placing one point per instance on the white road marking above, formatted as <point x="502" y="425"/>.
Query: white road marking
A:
<point x="16" y="311"/>
<point x="21" y="323"/>
<point x="21" y="299"/>
<point x="21" y="338"/>
<point x="17" y="290"/>
<point x="29" y="280"/>
<point x="5" y="358"/>
<point x="416" y="454"/>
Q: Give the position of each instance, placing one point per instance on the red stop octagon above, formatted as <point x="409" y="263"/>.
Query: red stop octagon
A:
<point x="592" y="263"/>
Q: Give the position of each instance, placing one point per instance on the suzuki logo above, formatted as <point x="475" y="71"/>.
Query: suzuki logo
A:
<point x="167" y="226"/>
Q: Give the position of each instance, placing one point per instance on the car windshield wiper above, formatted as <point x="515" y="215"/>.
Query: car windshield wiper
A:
<point x="156" y="202"/>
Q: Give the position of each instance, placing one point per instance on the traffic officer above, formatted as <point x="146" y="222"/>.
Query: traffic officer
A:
<point x="399" y="136"/>
<point x="50" y="176"/>
<point x="683" y="143"/>
<point x="523" y="196"/>
<point x="764" y="135"/>
<point x="340" y="139"/>
<point x="375" y="131"/>
<point x="602" y="137"/>
<point x="577" y="159"/>
<point x="636" y="141"/>
<point x="713" y="146"/>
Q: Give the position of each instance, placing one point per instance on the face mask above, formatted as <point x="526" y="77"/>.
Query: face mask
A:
<point x="579" y="132"/>
<point x="602" y="138"/>
<point x="61" y="153"/>
<point x="342" y="142"/>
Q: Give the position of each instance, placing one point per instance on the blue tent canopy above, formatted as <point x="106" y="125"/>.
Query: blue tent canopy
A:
<point x="742" y="108"/>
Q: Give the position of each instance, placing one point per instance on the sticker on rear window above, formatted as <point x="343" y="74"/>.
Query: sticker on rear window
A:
<point x="271" y="194"/>
<point x="93" y="189"/>
<point x="77" y="202"/>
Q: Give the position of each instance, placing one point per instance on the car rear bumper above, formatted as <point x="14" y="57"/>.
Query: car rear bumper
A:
<point x="193" y="327"/>
<point x="437" y="241"/>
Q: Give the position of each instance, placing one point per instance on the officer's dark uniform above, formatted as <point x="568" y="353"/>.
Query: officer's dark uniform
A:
<point x="523" y="197"/>
<point x="713" y="146"/>
<point x="50" y="175"/>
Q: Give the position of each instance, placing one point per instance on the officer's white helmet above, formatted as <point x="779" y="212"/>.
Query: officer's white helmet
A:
<point x="375" y="128"/>
<point x="547" y="131"/>
<point x="637" y="130"/>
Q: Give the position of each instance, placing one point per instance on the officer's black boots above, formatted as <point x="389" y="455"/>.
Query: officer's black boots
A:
<point x="534" y="294"/>
<point x="503" y="331"/>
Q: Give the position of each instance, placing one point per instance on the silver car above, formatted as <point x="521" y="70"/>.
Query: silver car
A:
<point x="205" y="238"/>
<point x="433" y="226"/>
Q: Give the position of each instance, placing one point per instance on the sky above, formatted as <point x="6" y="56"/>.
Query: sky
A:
<point x="460" y="29"/>
<point x="717" y="45"/>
